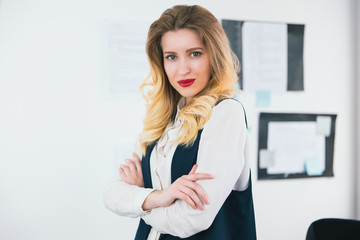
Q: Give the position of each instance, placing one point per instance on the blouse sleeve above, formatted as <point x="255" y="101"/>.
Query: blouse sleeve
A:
<point x="222" y="154"/>
<point x="125" y="199"/>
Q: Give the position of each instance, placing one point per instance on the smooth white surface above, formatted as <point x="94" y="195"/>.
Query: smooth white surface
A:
<point x="57" y="136"/>
<point x="264" y="56"/>
<point x="292" y="143"/>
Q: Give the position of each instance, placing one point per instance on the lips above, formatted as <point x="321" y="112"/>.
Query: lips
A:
<point x="186" y="82"/>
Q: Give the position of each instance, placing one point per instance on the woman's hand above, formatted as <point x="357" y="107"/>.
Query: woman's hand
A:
<point x="184" y="188"/>
<point x="132" y="172"/>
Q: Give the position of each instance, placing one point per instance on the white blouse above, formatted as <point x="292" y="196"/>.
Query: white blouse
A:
<point x="223" y="152"/>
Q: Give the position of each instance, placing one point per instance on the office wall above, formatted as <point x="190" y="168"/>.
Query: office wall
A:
<point x="58" y="136"/>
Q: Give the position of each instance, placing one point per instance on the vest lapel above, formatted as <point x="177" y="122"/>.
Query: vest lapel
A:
<point x="184" y="159"/>
<point x="145" y="166"/>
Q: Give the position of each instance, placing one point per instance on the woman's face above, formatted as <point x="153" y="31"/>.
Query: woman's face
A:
<point x="186" y="62"/>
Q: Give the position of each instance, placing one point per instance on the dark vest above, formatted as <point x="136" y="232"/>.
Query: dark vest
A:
<point x="234" y="221"/>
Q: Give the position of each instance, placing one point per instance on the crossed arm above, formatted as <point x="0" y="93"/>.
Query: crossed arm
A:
<point x="221" y="153"/>
<point x="184" y="188"/>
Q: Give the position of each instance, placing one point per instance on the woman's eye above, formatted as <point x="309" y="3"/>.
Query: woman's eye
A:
<point x="195" y="54"/>
<point x="171" y="57"/>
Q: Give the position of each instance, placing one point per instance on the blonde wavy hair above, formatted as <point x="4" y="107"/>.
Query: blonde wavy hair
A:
<point x="162" y="98"/>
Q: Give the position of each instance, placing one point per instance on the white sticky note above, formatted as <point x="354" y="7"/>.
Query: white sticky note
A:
<point x="323" y="125"/>
<point x="313" y="166"/>
<point x="267" y="158"/>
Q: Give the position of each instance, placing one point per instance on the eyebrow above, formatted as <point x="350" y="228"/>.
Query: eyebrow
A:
<point x="188" y="50"/>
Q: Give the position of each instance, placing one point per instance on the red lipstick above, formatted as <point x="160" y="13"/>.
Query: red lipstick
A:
<point x="186" y="82"/>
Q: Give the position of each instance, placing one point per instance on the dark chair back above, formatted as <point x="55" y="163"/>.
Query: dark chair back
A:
<point x="334" y="229"/>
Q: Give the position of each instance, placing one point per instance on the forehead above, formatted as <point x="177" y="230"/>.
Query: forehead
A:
<point x="181" y="39"/>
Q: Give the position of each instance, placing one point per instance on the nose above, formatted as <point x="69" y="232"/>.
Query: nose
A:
<point x="184" y="67"/>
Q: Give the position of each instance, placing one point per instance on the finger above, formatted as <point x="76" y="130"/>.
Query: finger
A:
<point x="198" y="176"/>
<point x="193" y="169"/>
<point x="126" y="169"/>
<point x="135" y="156"/>
<point x="193" y="196"/>
<point x="122" y="173"/>
<point x="131" y="164"/>
<point x="198" y="190"/>
<point x="137" y="162"/>
<point x="186" y="199"/>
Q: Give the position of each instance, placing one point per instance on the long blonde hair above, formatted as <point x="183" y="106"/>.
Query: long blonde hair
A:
<point x="162" y="98"/>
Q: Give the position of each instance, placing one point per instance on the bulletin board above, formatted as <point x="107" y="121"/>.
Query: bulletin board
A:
<point x="270" y="54"/>
<point x="295" y="145"/>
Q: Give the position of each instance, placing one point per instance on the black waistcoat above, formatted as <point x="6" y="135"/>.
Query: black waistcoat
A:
<point x="234" y="221"/>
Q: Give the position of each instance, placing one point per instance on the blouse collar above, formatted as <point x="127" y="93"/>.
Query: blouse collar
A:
<point x="180" y="105"/>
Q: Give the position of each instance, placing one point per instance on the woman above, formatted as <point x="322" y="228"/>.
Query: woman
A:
<point x="194" y="179"/>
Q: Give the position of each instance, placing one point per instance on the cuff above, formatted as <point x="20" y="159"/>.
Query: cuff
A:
<point x="139" y="200"/>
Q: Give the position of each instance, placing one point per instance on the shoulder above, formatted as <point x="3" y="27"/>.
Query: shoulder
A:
<point x="230" y="107"/>
<point x="227" y="119"/>
<point x="228" y="111"/>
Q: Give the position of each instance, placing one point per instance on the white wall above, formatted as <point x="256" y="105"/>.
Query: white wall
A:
<point x="57" y="136"/>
